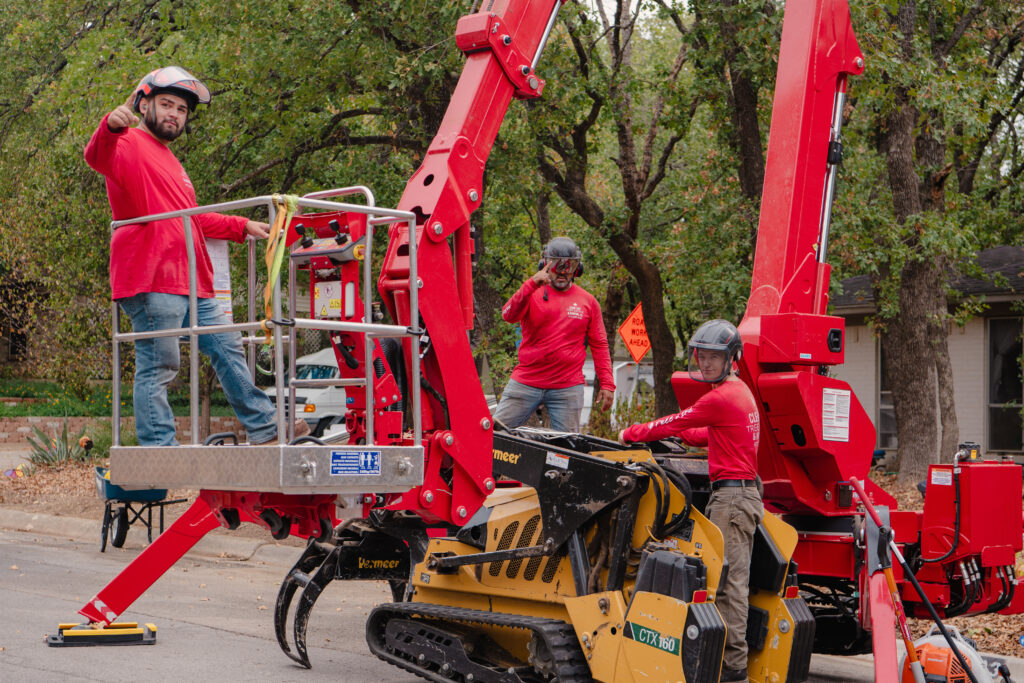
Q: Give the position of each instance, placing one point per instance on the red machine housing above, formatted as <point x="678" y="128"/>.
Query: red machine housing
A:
<point x="969" y="537"/>
<point x="989" y="495"/>
<point x="815" y="434"/>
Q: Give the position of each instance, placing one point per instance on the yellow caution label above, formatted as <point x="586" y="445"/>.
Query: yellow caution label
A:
<point x="91" y="633"/>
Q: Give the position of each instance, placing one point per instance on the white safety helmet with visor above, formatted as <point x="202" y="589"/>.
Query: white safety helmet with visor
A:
<point x="173" y="80"/>
<point x="712" y="350"/>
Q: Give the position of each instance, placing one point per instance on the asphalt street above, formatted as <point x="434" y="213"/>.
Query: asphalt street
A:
<point x="214" y="618"/>
<point x="213" y="611"/>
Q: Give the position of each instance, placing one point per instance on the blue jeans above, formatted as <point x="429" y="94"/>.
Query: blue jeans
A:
<point x="518" y="401"/>
<point x="157" y="362"/>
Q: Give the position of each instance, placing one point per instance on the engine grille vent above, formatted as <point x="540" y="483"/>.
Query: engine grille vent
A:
<point x="525" y="540"/>
<point x="552" y="566"/>
<point x="503" y="544"/>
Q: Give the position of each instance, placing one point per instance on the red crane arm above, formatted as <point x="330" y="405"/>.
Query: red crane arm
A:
<point x="818" y="435"/>
<point x="819" y="50"/>
<point x="502" y="43"/>
<point x="815" y="434"/>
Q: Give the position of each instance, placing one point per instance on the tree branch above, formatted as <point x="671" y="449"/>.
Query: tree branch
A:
<point x="940" y="51"/>
<point x="332" y="141"/>
<point x="652" y="128"/>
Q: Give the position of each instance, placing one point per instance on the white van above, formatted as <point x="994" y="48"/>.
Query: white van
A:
<point x="318" y="406"/>
<point x="324" y="408"/>
<point x="629" y="378"/>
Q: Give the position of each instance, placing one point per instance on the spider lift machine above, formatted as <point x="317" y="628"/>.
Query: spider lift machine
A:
<point x="534" y="556"/>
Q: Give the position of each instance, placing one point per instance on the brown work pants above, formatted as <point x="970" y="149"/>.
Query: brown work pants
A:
<point x="736" y="511"/>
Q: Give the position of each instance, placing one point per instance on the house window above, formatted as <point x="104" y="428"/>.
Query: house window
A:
<point x="886" y="412"/>
<point x="1005" y="390"/>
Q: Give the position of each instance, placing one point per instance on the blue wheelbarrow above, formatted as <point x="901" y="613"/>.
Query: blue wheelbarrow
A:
<point x="127" y="506"/>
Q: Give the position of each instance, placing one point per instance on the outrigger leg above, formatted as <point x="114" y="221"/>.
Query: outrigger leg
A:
<point x="133" y="581"/>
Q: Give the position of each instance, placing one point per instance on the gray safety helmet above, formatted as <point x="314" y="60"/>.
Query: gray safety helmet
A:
<point x="564" y="251"/>
<point x="714" y="335"/>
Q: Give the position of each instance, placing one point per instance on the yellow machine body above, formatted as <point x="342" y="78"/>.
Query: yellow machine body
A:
<point x="627" y="634"/>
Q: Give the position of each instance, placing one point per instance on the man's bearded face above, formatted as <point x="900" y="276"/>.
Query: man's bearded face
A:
<point x="562" y="271"/>
<point x="166" y="115"/>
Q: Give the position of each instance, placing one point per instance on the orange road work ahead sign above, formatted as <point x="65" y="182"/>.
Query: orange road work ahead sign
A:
<point x="634" y="333"/>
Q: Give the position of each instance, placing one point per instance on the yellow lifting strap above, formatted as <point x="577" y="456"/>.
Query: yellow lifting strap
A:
<point x="285" y="206"/>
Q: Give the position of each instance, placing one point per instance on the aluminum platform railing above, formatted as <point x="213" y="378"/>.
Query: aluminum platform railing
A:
<point x="306" y="468"/>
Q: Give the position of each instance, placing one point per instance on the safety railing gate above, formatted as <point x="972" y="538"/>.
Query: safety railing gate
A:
<point x="304" y="468"/>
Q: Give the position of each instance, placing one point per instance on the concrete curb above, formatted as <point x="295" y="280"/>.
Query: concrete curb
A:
<point x="218" y="544"/>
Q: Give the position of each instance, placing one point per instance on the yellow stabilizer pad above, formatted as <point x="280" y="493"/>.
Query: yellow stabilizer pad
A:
<point x="118" y="633"/>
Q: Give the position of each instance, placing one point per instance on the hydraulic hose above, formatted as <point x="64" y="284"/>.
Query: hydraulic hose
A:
<point x="683" y="484"/>
<point x="659" y="482"/>
<point x="666" y="478"/>
<point x="286" y="206"/>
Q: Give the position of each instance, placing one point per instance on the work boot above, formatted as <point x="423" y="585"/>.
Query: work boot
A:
<point x="731" y="675"/>
<point x="301" y="429"/>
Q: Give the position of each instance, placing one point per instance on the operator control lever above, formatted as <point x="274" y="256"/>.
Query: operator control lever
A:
<point x="338" y="237"/>
<point x="307" y="241"/>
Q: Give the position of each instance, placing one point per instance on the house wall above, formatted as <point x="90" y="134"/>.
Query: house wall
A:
<point x="967" y="350"/>
<point x="860" y="369"/>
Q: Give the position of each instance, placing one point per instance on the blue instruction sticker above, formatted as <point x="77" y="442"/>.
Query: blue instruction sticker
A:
<point x="355" y="462"/>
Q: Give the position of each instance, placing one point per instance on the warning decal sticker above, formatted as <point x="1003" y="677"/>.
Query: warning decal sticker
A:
<point x="557" y="460"/>
<point x="355" y="462"/>
<point x="835" y="414"/>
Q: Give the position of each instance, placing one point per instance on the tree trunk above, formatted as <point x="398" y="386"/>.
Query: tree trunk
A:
<point x="910" y="363"/>
<point x="911" y="340"/>
<point x="947" y="408"/>
<point x="944" y="371"/>
<point x="652" y="296"/>
<point x="543" y="217"/>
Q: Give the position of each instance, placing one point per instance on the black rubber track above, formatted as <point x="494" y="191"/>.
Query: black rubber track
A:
<point x="559" y="637"/>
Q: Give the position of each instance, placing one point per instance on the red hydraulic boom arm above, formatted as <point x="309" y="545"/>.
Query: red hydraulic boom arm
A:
<point x="502" y="43"/>
<point x="822" y="434"/>
<point x="815" y="434"/>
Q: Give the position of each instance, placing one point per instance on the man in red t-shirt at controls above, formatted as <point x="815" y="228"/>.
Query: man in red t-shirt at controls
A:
<point x="559" y="318"/>
<point x="725" y="420"/>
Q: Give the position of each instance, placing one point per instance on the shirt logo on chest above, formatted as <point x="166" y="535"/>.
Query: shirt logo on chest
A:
<point x="185" y="178"/>
<point x="574" y="311"/>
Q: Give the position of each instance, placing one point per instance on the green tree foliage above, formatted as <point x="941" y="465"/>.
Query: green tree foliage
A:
<point x="611" y="136"/>
<point x="932" y="165"/>
<point x="305" y="96"/>
<point x="647" y="147"/>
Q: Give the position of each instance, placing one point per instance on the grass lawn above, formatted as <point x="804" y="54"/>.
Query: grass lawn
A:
<point x="53" y="400"/>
